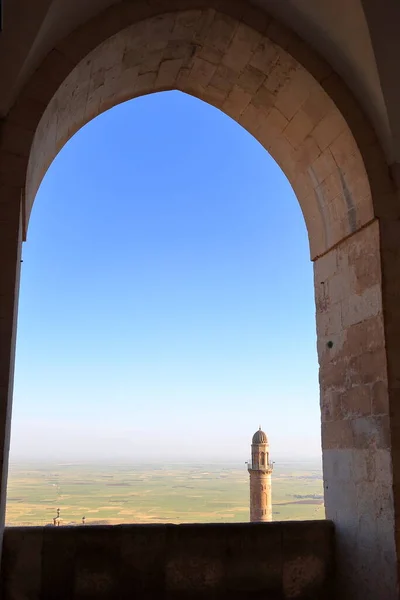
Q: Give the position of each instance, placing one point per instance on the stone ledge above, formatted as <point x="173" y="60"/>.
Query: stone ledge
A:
<point x="278" y="561"/>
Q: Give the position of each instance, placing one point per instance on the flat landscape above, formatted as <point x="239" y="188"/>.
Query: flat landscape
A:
<point x="170" y="493"/>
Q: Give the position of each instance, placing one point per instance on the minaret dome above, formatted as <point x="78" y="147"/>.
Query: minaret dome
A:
<point x="259" y="437"/>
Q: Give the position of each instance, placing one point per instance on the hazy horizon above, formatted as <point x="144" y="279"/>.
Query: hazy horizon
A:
<point x="134" y="460"/>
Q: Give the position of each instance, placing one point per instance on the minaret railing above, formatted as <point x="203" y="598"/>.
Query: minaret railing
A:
<point x="253" y="466"/>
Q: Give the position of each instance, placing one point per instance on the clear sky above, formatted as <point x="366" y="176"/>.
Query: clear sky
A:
<point x="166" y="305"/>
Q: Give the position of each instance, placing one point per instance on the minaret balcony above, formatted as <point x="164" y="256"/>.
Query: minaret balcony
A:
<point x="268" y="468"/>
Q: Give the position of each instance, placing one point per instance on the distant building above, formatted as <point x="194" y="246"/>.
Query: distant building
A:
<point x="260" y="470"/>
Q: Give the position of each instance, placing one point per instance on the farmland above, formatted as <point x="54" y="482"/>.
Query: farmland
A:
<point x="175" y="493"/>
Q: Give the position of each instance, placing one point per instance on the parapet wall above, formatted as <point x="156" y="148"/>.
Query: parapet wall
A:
<point x="271" y="561"/>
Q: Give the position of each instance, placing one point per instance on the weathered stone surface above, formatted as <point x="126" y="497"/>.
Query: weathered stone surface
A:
<point x="305" y="572"/>
<point x="58" y="563"/>
<point x="359" y="497"/>
<point x="22" y="563"/>
<point x="357" y="422"/>
<point x="255" y="576"/>
<point x="277" y="561"/>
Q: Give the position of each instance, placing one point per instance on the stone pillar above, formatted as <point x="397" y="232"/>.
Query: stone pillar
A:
<point x="355" y="408"/>
<point x="390" y="400"/>
<point x="10" y="258"/>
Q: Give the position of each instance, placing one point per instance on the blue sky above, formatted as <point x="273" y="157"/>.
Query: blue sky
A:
<point x="166" y="305"/>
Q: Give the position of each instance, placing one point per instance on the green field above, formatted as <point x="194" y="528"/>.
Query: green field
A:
<point x="175" y="493"/>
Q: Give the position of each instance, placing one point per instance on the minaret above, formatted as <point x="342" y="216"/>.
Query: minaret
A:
<point x="260" y="470"/>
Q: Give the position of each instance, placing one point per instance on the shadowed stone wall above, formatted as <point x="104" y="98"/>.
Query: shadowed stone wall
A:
<point x="268" y="560"/>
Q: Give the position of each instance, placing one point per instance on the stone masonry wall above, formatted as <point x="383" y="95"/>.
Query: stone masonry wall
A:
<point x="355" y="413"/>
<point x="275" y="561"/>
<point x="260" y="496"/>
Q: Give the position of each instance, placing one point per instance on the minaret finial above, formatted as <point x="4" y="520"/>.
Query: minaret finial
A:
<point x="259" y="428"/>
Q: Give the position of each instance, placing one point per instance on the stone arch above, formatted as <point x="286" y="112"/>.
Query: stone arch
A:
<point x="262" y="75"/>
<point x="232" y="66"/>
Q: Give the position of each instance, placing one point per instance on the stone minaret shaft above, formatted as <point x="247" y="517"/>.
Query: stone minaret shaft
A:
<point x="260" y="470"/>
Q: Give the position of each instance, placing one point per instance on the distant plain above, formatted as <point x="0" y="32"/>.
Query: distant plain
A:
<point x="168" y="493"/>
